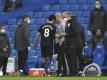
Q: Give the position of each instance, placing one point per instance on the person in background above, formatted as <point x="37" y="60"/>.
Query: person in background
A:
<point x="4" y="48"/>
<point x="97" y="18"/>
<point x="10" y="5"/>
<point x="60" y="45"/>
<point x="22" y="42"/>
<point x="98" y="38"/>
<point x="7" y="5"/>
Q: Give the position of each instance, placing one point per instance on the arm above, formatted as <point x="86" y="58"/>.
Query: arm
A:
<point x="37" y="39"/>
<point x="26" y="35"/>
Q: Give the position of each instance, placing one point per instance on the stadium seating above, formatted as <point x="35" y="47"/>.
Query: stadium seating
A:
<point x="99" y="55"/>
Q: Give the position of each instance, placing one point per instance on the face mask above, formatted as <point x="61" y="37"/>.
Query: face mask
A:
<point x="97" y="6"/>
<point x="3" y="31"/>
<point x="65" y="19"/>
<point x="28" y="21"/>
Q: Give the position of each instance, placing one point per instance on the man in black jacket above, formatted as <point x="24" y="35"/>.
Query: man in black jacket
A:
<point x="21" y="41"/>
<point x="70" y="44"/>
<point x="4" y="48"/>
<point x="97" y="18"/>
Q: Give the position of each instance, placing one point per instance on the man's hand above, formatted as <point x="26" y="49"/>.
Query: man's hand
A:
<point x="62" y="34"/>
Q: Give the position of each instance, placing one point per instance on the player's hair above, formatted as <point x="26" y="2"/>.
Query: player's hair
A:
<point x="51" y="18"/>
<point x="25" y="16"/>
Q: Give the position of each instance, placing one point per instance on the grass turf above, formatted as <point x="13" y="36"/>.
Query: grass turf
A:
<point x="53" y="78"/>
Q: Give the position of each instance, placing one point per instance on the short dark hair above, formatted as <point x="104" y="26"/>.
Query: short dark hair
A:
<point x="51" y="18"/>
<point x="98" y="0"/>
<point x="25" y="16"/>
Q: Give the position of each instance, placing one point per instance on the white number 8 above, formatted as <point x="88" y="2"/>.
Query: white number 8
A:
<point x="46" y="34"/>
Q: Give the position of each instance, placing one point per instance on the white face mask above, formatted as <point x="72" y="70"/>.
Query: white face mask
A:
<point x="98" y="6"/>
<point x="3" y="30"/>
<point x="28" y="21"/>
<point x="65" y="19"/>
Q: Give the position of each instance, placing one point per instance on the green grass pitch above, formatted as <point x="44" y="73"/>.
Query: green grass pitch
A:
<point x="53" y="78"/>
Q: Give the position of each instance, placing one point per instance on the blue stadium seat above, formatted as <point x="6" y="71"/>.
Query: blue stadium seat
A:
<point x="105" y="35"/>
<point x="46" y="7"/>
<point x="86" y="14"/>
<point x="29" y="13"/>
<point x="99" y="54"/>
<point x="88" y="50"/>
<point x="39" y="62"/>
<point x="12" y="27"/>
<point x="12" y="21"/>
<point x="32" y="27"/>
<point x="55" y="7"/>
<point x="40" y="21"/>
<point x="72" y="1"/>
<point x="74" y="7"/>
<point x="84" y="7"/>
<point x="32" y="59"/>
<point x="11" y="40"/>
<point x="83" y="1"/>
<point x="62" y="1"/>
<point x="64" y="7"/>
<point x="13" y="53"/>
<point x="12" y="34"/>
<point x="33" y="34"/>
<point x="47" y="13"/>
<point x="38" y="14"/>
<point x="32" y="21"/>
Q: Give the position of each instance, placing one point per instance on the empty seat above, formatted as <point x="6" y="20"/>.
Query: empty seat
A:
<point x="55" y="7"/>
<point x="64" y="7"/>
<point x="62" y="1"/>
<point x="12" y="27"/>
<point x="12" y="21"/>
<point x="32" y="21"/>
<point x="99" y="54"/>
<point x="46" y="7"/>
<point x="29" y="13"/>
<point x="33" y="34"/>
<point x="88" y="50"/>
<point x="38" y="14"/>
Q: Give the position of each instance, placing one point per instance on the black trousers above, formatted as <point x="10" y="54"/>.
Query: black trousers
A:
<point x="71" y="56"/>
<point x="3" y="63"/>
<point x="61" y="60"/>
<point x="80" y="57"/>
<point x="22" y="57"/>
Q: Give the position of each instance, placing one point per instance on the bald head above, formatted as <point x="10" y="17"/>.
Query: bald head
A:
<point x="67" y="14"/>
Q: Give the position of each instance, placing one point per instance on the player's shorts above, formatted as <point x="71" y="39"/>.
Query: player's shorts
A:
<point x="47" y="50"/>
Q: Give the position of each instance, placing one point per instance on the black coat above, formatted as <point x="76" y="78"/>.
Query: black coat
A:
<point x="22" y="35"/>
<point x="4" y="43"/>
<point x="71" y="32"/>
<point x="97" y="20"/>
